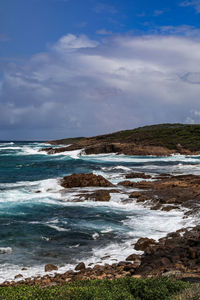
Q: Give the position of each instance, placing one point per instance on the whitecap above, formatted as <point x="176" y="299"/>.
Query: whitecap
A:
<point x="95" y="236"/>
<point x="5" y="250"/>
<point x="56" y="227"/>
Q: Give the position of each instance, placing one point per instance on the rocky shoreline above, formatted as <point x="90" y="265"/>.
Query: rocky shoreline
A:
<point x="156" y="140"/>
<point x="175" y="255"/>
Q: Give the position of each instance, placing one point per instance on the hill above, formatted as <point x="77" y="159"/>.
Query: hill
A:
<point x="161" y="139"/>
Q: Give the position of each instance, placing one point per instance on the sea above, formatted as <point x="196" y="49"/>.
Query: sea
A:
<point x="41" y="223"/>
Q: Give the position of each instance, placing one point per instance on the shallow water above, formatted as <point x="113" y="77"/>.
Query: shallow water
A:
<point x="43" y="227"/>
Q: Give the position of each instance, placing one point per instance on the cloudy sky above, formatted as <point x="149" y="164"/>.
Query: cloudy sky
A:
<point x="85" y="67"/>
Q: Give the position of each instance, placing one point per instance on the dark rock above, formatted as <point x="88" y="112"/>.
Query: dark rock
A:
<point x="100" y="195"/>
<point x="18" y="276"/>
<point x="80" y="266"/>
<point x="138" y="175"/>
<point x="135" y="195"/>
<point x="133" y="257"/>
<point x="143" y="243"/>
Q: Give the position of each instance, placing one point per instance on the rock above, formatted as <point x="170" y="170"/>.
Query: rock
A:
<point x="143" y="243"/>
<point x="50" y="267"/>
<point x="135" y="195"/>
<point x="84" y="180"/>
<point x="138" y="175"/>
<point x="169" y="207"/>
<point x="24" y="269"/>
<point x="127" y="183"/>
<point x="136" y="276"/>
<point x="133" y="257"/>
<point x="100" y="195"/>
<point x="37" y="192"/>
<point x="18" y="276"/>
<point x="80" y="266"/>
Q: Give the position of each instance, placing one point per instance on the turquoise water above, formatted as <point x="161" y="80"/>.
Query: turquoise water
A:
<point x="40" y="223"/>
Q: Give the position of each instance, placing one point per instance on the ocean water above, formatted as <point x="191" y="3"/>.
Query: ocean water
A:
<point x="40" y="223"/>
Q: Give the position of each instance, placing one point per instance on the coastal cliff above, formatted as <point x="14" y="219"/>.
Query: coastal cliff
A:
<point x="158" y="140"/>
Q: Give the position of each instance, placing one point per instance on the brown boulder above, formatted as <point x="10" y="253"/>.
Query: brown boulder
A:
<point x="133" y="257"/>
<point x="84" y="180"/>
<point x="50" y="267"/>
<point x="80" y="266"/>
<point x="144" y="243"/>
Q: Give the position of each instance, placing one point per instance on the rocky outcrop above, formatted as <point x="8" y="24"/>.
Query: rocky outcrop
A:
<point x="144" y="243"/>
<point x="167" y="192"/>
<point x="84" y="180"/>
<point x="117" y="148"/>
<point x="178" y="251"/>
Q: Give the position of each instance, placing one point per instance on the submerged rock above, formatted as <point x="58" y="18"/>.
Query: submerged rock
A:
<point x="100" y="195"/>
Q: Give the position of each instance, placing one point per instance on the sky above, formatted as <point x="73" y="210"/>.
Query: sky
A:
<point x="87" y="67"/>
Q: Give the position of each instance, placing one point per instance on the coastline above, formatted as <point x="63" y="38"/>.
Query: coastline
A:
<point x="134" y="265"/>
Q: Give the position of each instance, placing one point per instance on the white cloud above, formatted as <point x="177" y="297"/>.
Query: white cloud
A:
<point x="83" y="87"/>
<point x="70" y="42"/>
<point x="192" y="3"/>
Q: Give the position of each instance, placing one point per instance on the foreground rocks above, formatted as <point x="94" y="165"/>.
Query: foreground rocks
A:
<point x="176" y="255"/>
<point x="85" y="180"/>
<point x="179" y="251"/>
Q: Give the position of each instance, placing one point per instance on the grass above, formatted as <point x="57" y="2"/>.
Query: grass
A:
<point x="191" y="293"/>
<point x="119" y="289"/>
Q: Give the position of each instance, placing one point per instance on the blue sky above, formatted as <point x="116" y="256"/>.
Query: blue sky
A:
<point x="85" y="67"/>
<point x="29" y="26"/>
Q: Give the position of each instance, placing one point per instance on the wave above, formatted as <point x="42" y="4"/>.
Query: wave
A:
<point x="112" y="157"/>
<point x="10" y="148"/>
<point x="75" y="154"/>
<point x="57" y="227"/>
<point x="6" y="144"/>
<point x="5" y="250"/>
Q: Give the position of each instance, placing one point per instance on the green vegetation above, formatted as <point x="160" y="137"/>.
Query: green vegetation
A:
<point x="171" y="136"/>
<point x="191" y="293"/>
<point x="119" y="289"/>
<point x="67" y="141"/>
<point x="165" y="135"/>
